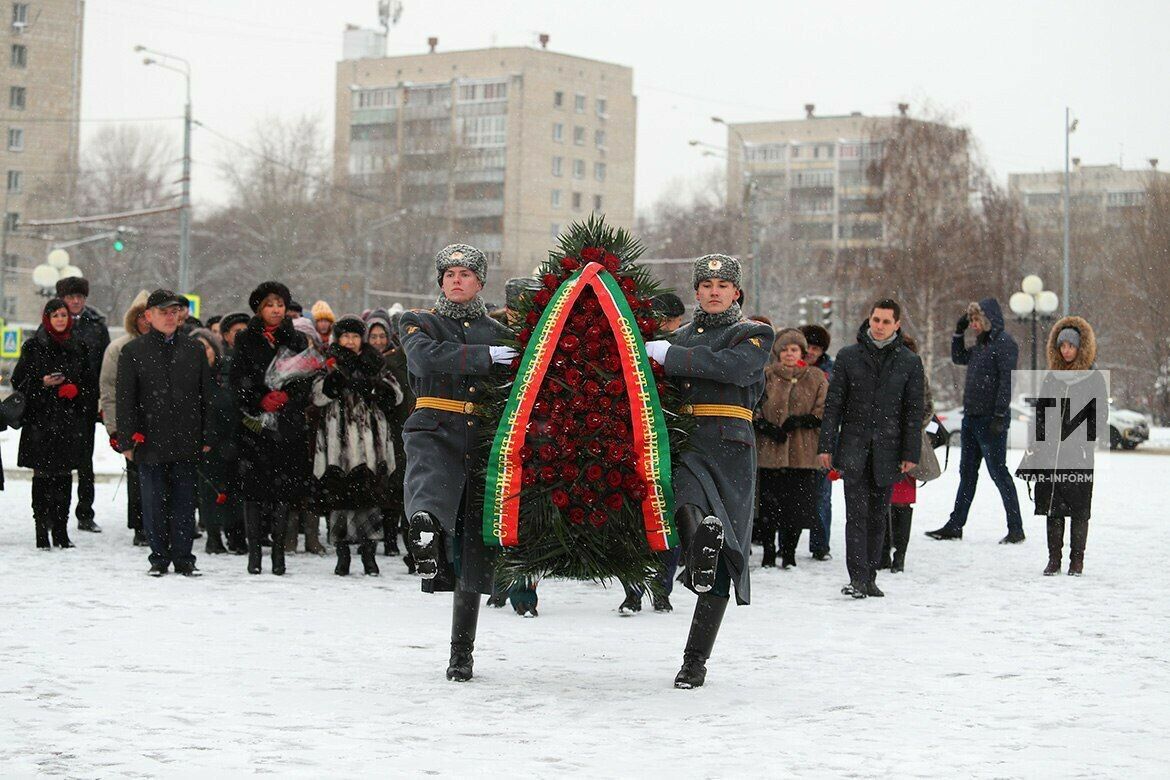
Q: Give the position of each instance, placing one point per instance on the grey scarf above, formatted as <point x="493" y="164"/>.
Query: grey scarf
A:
<point x="472" y="310"/>
<point x="885" y="342"/>
<point x="730" y="315"/>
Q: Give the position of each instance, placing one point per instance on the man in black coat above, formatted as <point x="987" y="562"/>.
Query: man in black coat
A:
<point x="89" y="326"/>
<point x="164" y="393"/>
<point x="871" y="432"/>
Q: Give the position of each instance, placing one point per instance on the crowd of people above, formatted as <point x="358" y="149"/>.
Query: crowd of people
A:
<point x="262" y="423"/>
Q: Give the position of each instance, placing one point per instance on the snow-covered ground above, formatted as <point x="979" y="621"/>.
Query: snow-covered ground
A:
<point x="974" y="665"/>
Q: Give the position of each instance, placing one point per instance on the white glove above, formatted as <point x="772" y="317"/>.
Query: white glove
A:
<point x="503" y="354"/>
<point x="657" y="350"/>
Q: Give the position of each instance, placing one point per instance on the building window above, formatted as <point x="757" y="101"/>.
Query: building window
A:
<point x="554" y="231"/>
<point x="597" y="203"/>
<point x="11" y="221"/>
<point x="578" y="169"/>
<point x="14" y="181"/>
<point x="19" y="56"/>
<point x="20" y="14"/>
<point x="556" y="199"/>
<point x="576" y="201"/>
<point x="15" y="139"/>
<point x="579" y="136"/>
<point x="602" y="104"/>
<point x="599" y="171"/>
<point x="558" y="166"/>
<point x="375" y="98"/>
<point x="558" y="132"/>
<point x="599" y="139"/>
<point x="795" y="151"/>
<point x="558" y="99"/>
<point x="16" y="98"/>
<point x="483" y="93"/>
<point x="579" y="103"/>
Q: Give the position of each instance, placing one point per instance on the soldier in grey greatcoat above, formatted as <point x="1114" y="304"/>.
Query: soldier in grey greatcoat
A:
<point x="717" y="361"/>
<point x="449" y="354"/>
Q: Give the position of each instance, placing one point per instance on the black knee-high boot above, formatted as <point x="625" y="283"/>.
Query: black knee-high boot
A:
<point x="42" y="510"/>
<point x="252" y="524"/>
<point x="900" y="519"/>
<point x="464" y="619"/>
<point x="702" y="540"/>
<point x="279" y="529"/>
<point x="1055" y="545"/>
<point x="768" y="542"/>
<point x="705" y="624"/>
<point x="1078" y="534"/>
<point x="62" y="494"/>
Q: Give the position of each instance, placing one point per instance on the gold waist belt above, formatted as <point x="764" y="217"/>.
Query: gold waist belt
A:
<point x="718" y="410"/>
<point x="444" y="405"/>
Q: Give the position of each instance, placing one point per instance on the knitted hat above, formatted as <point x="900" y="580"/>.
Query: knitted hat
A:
<point x="715" y="267"/>
<point x="816" y="336"/>
<point x="461" y="255"/>
<point x="305" y="327"/>
<point x="349" y="324"/>
<point x="73" y="285"/>
<point x="1069" y="335"/>
<point x="322" y="311"/>
<point x="231" y="320"/>
<point x="786" y="336"/>
<point x="295" y="308"/>
<point x="263" y="290"/>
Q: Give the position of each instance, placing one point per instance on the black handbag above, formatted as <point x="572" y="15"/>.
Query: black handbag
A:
<point x="940" y="435"/>
<point x="12" y="409"/>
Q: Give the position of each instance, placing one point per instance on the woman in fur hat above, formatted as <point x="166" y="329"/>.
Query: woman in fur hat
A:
<point x="789" y="421"/>
<point x="1065" y="490"/>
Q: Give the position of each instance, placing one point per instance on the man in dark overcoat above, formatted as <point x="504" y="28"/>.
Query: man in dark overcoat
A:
<point x="717" y="361"/>
<point x="872" y="434"/>
<point x="450" y="354"/>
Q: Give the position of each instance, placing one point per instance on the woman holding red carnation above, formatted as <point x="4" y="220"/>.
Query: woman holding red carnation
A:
<point x="54" y="376"/>
<point x="717" y="362"/>
<point x="789" y="423"/>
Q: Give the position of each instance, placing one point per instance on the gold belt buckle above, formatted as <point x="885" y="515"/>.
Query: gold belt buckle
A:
<point x="468" y="407"/>
<point x="687" y="409"/>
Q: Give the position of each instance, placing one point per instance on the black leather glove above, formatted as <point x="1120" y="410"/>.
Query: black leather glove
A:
<point x="962" y="325"/>
<point x="335" y="382"/>
<point x="998" y="426"/>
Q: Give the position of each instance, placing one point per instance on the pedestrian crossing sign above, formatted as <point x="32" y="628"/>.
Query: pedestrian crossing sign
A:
<point x="193" y="302"/>
<point x="10" y="342"/>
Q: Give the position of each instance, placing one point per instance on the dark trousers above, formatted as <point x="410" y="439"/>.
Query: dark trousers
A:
<point x="85" y="493"/>
<point x="168" y="510"/>
<point x="818" y="535"/>
<point x="980" y="445"/>
<point x="667" y="568"/>
<point x="133" y="497"/>
<point x="867" y="509"/>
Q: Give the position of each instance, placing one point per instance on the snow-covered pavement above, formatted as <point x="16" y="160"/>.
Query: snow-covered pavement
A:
<point x="973" y="665"/>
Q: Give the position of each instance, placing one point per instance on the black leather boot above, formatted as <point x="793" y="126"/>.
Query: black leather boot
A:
<point x="900" y="519"/>
<point x="61" y="493"/>
<point x="704" y="628"/>
<point x="279" y="529"/>
<point x="252" y="532"/>
<point x="1077" y="536"/>
<point x="702" y="539"/>
<point x="768" y="543"/>
<point x="369" y="561"/>
<point x="425" y="537"/>
<point x="342" y="567"/>
<point x="1055" y="545"/>
<point x="464" y="618"/>
<point x="42" y="511"/>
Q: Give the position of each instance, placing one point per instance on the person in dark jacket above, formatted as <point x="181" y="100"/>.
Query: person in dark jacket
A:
<point x="987" y="399"/>
<point x="1062" y="467"/>
<point x="274" y="462"/>
<point x="717" y="361"/>
<point x="450" y="352"/>
<point x="221" y="507"/>
<point x="55" y="375"/>
<point x="818" y="339"/>
<point x="164" y="394"/>
<point x="89" y="326"/>
<point x="871" y="433"/>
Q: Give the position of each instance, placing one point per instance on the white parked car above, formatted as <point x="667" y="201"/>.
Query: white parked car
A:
<point x="1017" y="432"/>
<point x="1127" y="429"/>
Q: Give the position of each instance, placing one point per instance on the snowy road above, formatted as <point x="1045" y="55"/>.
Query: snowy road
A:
<point x="973" y="665"/>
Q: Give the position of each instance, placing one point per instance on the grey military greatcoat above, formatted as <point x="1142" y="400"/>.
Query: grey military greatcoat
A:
<point x="717" y="472"/>
<point x="449" y="358"/>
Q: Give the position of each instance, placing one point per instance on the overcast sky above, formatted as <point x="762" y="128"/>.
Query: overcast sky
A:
<point x="1004" y="68"/>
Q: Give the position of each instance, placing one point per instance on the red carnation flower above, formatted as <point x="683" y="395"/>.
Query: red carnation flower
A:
<point x="542" y="297"/>
<point x="614" y="478"/>
<point x="801" y="363"/>
<point x="547" y="452"/>
<point x="615" y="453"/>
<point x="331" y="362"/>
<point x="593" y="421"/>
<point x="597" y="518"/>
<point x="578" y="403"/>
<point x="590" y="305"/>
<point x="573" y="376"/>
<point x="570" y="343"/>
<point x="637" y="493"/>
<point x="593" y="472"/>
<point x="591" y="388"/>
<point x="515" y="364"/>
<point x="834" y="475"/>
<point x="548" y="474"/>
<point x="550" y="281"/>
<point x="560" y="499"/>
<point x="604" y="402"/>
<point x="615" y="387"/>
<point x="221" y="499"/>
<point x="541" y="408"/>
<point x="528" y="479"/>
<point x="612" y="363"/>
<point x="524" y="335"/>
<point x="588" y="497"/>
<point x="569" y="472"/>
<point x="591" y="254"/>
<point x="68" y="391"/>
<point x="138" y="438"/>
<point x="614" y="501"/>
<point x="532" y="318"/>
<point x="114" y="445"/>
<point x="592" y="349"/>
<point x="570" y="264"/>
<point x="593" y="333"/>
<point x="594" y="445"/>
<point x="611" y="263"/>
<point x="525" y="453"/>
<point x="576" y="515"/>
<point x="628" y="284"/>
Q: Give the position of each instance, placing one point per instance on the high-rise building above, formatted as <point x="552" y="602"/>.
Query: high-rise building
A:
<point x="1107" y="191"/>
<point x="499" y="148"/>
<point x="40" y="102"/>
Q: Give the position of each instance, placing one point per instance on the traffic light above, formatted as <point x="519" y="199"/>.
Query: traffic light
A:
<point x="119" y="239"/>
<point x="803" y="310"/>
<point x="827" y="313"/>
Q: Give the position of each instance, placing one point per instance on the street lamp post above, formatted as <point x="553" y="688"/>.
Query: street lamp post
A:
<point x="1033" y="302"/>
<point x="185" y="203"/>
<point x="749" y="192"/>
<point x="1070" y="125"/>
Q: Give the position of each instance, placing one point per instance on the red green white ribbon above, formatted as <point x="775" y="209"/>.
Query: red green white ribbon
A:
<point x="651" y="445"/>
